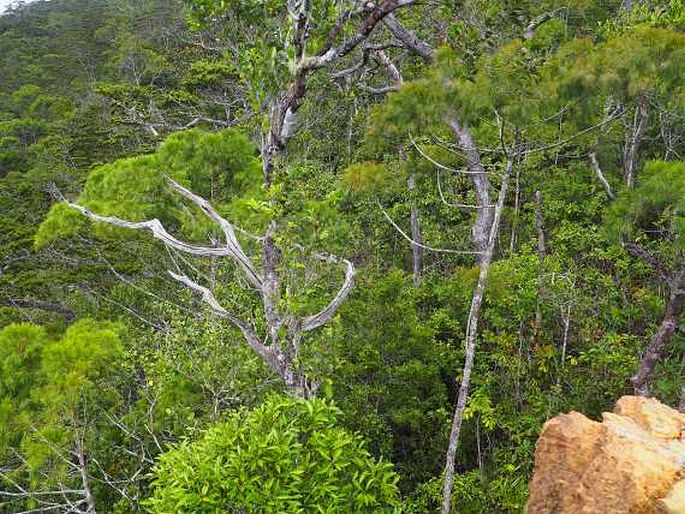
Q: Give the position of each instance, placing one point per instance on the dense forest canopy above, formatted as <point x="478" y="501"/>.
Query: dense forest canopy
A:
<point x="329" y="256"/>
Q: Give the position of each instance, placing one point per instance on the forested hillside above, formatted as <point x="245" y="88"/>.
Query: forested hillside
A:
<point x="329" y="256"/>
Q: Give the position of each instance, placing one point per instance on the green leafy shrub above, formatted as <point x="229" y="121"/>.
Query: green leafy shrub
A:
<point x="287" y="455"/>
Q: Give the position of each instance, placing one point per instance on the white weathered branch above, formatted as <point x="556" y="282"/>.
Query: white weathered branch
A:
<point x="530" y="29"/>
<point x="420" y="245"/>
<point x="594" y="164"/>
<point x="217" y="309"/>
<point x="457" y="205"/>
<point x="157" y="229"/>
<point x="471" y="336"/>
<point x="442" y="166"/>
<point x="614" y="116"/>
<point x="232" y="243"/>
<point x="232" y="248"/>
<point x="323" y="316"/>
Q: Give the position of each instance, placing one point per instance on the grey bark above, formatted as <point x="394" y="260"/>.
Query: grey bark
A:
<point x="566" y="316"/>
<point x="39" y="305"/>
<point x="594" y="164"/>
<point x="415" y="232"/>
<point x="83" y="471"/>
<point x="283" y="115"/>
<point x="542" y="253"/>
<point x="471" y="336"/>
<point x="409" y="39"/>
<point x="517" y="209"/>
<point x="675" y="304"/>
<point x="485" y="211"/>
<point x="530" y="29"/>
<point x="634" y="136"/>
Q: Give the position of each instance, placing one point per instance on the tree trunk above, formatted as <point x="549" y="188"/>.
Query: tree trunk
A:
<point x="594" y="164"/>
<point x="655" y="349"/>
<point x="634" y="140"/>
<point x="517" y="210"/>
<point x="83" y="471"/>
<point x="471" y="335"/>
<point x="542" y="253"/>
<point x="415" y="232"/>
<point x="484" y="208"/>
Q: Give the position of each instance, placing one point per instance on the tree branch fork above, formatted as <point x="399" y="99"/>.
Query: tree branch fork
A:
<point x="278" y="351"/>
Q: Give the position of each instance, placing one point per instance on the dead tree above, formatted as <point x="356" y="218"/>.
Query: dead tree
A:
<point x="60" y="496"/>
<point x="594" y="164"/>
<point x="542" y="254"/>
<point x="415" y="231"/>
<point x="280" y="347"/>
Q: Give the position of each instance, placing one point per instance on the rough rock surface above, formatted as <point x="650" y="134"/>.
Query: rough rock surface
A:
<point x="633" y="462"/>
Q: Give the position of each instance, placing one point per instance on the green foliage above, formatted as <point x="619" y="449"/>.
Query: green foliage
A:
<point x="213" y="165"/>
<point x="52" y="392"/>
<point x="286" y="455"/>
<point x="397" y="345"/>
<point x="658" y="14"/>
<point x="653" y="212"/>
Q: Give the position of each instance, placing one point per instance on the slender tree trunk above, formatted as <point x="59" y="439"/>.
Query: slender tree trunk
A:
<point x="655" y="349"/>
<point x="542" y="253"/>
<point x="83" y="471"/>
<point x="634" y="140"/>
<point x="517" y="209"/>
<point x="471" y="336"/>
<point x="415" y="232"/>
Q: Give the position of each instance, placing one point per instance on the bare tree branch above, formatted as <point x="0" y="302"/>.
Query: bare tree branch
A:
<point x="232" y="244"/>
<point x="536" y="22"/>
<point x="594" y="164"/>
<point x="283" y="117"/>
<point x="39" y="305"/>
<point x="323" y="316"/>
<point x="653" y="354"/>
<point x="408" y="38"/>
<point x="208" y="297"/>
<point x="232" y="248"/>
<point x="634" y="136"/>
<point x="641" y="253"/>
<point x="420" y="245"/>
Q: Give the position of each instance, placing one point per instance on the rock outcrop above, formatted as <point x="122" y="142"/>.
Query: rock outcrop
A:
<point x="633" y="462"/>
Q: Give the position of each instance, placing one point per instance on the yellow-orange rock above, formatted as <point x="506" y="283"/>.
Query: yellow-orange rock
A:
<point x="630" y="463"/>
<point x="674" y="503"/>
